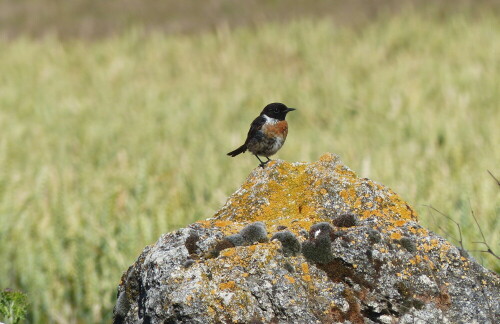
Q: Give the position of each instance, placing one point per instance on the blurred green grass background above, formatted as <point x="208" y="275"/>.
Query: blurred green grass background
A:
<point x="108" y="143"/>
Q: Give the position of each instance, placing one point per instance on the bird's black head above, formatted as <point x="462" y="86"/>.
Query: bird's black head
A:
<point x="276" y="110"/>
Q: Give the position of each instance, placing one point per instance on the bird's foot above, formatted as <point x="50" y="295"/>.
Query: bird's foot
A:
<point x="263" y="164"/>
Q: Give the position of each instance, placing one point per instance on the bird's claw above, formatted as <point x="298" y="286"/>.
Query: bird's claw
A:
<point x="263" y="164"/>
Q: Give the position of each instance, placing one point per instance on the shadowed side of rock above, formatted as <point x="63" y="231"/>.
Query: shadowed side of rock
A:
<point x="307" y="243"/>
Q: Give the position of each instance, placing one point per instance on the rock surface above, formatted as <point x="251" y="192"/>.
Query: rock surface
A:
<point x="344" y="249"/>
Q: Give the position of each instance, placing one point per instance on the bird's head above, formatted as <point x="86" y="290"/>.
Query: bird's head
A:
<point x="276" y="110"/>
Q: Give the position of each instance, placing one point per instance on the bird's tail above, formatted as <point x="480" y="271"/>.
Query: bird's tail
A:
<point x="239" y="150"/>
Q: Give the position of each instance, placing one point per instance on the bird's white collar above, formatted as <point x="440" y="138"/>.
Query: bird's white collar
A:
<point x="270" y="120"/>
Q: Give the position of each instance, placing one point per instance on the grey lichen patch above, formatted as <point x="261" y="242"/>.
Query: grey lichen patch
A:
<point x="255" y="232"/>
<point x="236" y="239"/>
<point x="320" y="229"/>
<point x="408" y="244"/>
<point x="188" y="263"/>
<point x="374" y="236"/>
<point x="191" y="241"/>
<point x="250" y="234"/>
<point x="122" y="307"/>
<point x="290" y="245"/>
<point x="345" y="220"/>
<point x="318" y="248"/>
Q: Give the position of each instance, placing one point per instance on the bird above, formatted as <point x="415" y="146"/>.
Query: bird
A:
<point x="267" y="133"/>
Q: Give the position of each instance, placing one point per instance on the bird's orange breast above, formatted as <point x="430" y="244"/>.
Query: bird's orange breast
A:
<point x="279" y="129"/>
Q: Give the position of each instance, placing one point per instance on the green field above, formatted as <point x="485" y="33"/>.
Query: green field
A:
<point x="107" y="144"/>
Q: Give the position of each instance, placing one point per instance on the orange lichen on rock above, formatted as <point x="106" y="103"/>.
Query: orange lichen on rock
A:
<point x="289" y="197"/>
<point x="400" y="223"/>
<point x="342" y="169"/>
<point x="396" y="236"/>
<point x="306" y="278"/>
<point x="286" y="195"/>
<point x="328" y="157"/>
<point x="222" y="223"/>
<point x="227" y="285"/>
<point x="305" y="268"/>
<point x="228" y="253"/>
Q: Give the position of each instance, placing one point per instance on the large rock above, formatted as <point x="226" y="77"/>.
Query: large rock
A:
<point x="307" y="243"/>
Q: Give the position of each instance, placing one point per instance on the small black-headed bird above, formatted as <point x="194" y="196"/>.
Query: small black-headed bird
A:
<point x="267" y="132"/>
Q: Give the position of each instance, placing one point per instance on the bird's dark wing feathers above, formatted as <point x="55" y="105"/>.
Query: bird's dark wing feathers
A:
<point x="255" y="127"/>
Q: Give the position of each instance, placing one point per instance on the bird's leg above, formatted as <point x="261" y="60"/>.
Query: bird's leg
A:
<point x="268" y="159"/>
<point x="262" y="164"/>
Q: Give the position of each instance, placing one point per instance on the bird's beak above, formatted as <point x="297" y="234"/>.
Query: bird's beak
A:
<point x="290" y="109"/>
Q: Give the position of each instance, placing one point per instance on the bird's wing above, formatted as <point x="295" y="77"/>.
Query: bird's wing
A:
<point x="255" y="127"/>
